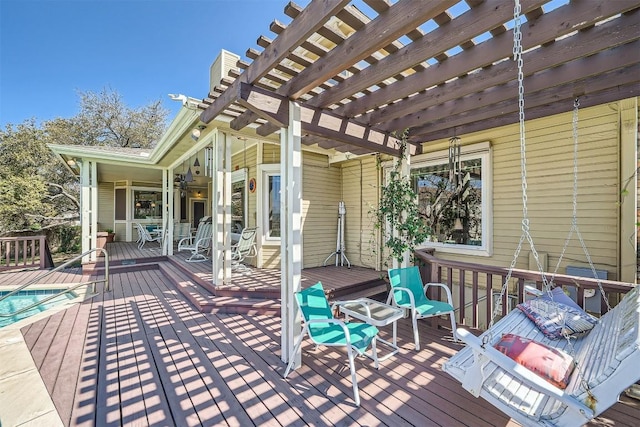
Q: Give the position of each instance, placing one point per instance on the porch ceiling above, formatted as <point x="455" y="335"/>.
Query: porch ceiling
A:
<point x="436" y="68"/>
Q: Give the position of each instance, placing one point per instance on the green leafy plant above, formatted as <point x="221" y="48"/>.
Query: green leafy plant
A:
<point x="397" y="217"/>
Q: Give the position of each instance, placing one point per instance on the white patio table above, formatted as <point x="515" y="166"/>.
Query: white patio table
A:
<point x="377" y="314"/>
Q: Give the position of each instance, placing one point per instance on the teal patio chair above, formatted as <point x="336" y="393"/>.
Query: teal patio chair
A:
<point x="408" y="292"/>
<point x="324" y="329"/>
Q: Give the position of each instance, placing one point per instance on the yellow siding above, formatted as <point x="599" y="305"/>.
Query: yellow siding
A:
<point x="549" y="161"/>
<point x="270" y="153"/>
<point x="360" y="193"/>
<point x="320" y="197"/>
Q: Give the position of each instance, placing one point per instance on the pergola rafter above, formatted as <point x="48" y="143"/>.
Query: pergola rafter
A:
<point x="436" y="68"/>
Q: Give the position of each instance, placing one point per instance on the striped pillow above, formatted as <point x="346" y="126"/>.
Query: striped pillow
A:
<point x="555" y="319"/>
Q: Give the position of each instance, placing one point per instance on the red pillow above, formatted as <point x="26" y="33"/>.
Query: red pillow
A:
<point x="551" y="364"/>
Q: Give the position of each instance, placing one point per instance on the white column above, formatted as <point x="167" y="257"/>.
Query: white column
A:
<point x="167" y="225"/>
<point x="217" y="214"/>
<point x="93" y="208"/>
<point x="170" y="212"/>
<point x="290" y="224"/>
<point x="629" y="197"/>
<point x="85" y="209"/>
<point x="227" y="208"/>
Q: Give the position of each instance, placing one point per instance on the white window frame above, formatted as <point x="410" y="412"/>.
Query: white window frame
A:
<point x="264" y="172"/>
<point x="483" y="151"/>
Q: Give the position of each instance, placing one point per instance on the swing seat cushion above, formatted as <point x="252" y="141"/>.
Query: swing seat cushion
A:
<point x="555" y="319"/>
<point x="552" y="364"/>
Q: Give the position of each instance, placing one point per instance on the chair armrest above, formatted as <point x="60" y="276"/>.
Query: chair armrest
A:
<point x="446" y="289"/>
<point x="412" y="300"/>
<point x="489" y="353"/>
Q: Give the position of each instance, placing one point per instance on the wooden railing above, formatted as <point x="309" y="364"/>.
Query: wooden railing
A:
<point x="474" y="285"/>
<point x="24" y="252"/>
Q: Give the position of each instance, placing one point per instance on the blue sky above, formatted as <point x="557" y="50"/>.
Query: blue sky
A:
<point x="143" y="49"/>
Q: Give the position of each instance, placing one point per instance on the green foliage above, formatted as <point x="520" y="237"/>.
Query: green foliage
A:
<point x="37" y="191"/>
<point x="397" y="217"/>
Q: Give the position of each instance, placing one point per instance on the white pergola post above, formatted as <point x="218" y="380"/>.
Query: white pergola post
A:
<point x="629" y="201"/>
<point x="221" y="214"/>
<point x="169" y="210"/>
<point x="88" y="208"/>
<point x="290" y="224"/>
<point x="167" y="224"/>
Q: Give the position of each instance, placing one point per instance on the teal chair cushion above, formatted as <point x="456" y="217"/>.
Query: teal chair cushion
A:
<point x="314" y="306"/>
<point x="410" y="278"/>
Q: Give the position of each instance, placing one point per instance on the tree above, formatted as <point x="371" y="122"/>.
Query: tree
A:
<point x="104" y="120"/>
<point x="37" y="191"/>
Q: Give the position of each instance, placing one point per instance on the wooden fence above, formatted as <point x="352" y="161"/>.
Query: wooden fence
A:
<point x="24" y="252"/>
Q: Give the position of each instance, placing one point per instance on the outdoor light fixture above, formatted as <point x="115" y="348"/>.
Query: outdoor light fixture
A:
<point x="72" y="163"/>
<point x="195" y="134"/>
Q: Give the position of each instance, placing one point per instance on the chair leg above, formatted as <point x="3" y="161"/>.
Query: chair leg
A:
<point x="414" y="318"/>
<point x="354" y="378"/>
<point x="453" y="326"/>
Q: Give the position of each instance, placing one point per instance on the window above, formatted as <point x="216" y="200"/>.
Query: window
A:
<point x="458" y="216"/>
<point x="274" y="206"/>
<point x="147" y="204"/>
<point x="269" y="202"/>
<point x="238" y="200"/>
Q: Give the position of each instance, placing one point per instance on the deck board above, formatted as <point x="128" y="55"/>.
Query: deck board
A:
<point x="143" y="355"/>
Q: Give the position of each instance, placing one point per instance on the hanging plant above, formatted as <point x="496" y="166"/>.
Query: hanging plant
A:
<point x="397" y="217"/>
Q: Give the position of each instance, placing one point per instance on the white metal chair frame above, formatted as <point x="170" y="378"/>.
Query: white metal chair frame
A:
<point x="246" y="247"/>
<point x="199" y="244"/>
<point x="144" y="236"/>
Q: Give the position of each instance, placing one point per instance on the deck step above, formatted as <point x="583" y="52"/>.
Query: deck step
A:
<point x="231" y="305"/>
<point x="206" y="302"/>
<point x="203" y="283"/>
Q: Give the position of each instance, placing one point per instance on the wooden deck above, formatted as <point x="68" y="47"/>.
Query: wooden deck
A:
<point x="142" y="355"/>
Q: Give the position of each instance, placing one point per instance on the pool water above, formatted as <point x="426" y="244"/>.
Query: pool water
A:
<point x="24" y="299"/>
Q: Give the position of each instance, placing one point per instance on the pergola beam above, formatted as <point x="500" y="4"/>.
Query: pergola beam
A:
<point x="609" y="87"/>
<point x="547" y="28"/>
<point x="584" y="44"/>
<point x="314" y="121"/>
<point x="574" y="71"/>
<point x="468" y="25"/>
<point x="311" y="18"/>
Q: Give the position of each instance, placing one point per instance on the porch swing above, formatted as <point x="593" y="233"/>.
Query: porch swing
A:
<point x="598" y="364"/>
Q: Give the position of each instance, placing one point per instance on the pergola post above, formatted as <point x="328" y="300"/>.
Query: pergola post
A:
<point x="88" y="208"/>
<point x="169" y="210"/>
<point x="221" y="215"/>
<point x="167" y="218"/>
<point x="629" y="200"/>
<point x="290" y="224"/>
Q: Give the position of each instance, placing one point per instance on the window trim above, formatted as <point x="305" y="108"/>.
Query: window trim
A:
<point x="483" y="151"/>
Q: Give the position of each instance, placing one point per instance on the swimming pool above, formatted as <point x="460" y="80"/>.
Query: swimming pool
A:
<point x="24" y="299"/>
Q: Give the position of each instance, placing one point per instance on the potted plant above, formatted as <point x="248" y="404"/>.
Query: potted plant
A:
<point x="111" y="236"/>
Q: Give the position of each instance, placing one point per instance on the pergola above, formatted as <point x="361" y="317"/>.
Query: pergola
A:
<point x="348" y="74"/>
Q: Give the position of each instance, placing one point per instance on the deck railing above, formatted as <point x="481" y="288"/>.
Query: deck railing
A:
<point x="476" y="285"/>
<point x="24" y="252"/>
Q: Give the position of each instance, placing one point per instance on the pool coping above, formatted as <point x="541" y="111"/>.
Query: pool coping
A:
<point x="24" y="399"/>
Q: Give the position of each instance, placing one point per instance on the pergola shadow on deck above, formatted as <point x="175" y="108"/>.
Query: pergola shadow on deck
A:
<point x="142" y="355"/>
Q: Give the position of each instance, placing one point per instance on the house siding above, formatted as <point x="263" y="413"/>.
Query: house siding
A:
<point x="360" y="188"/>
<point x="106" y="206"/>
<point x="549" y="161"/>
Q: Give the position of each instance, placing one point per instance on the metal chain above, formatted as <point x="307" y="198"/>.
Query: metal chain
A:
<point x="517" y="56"/>
<point x="574" y="218"/>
